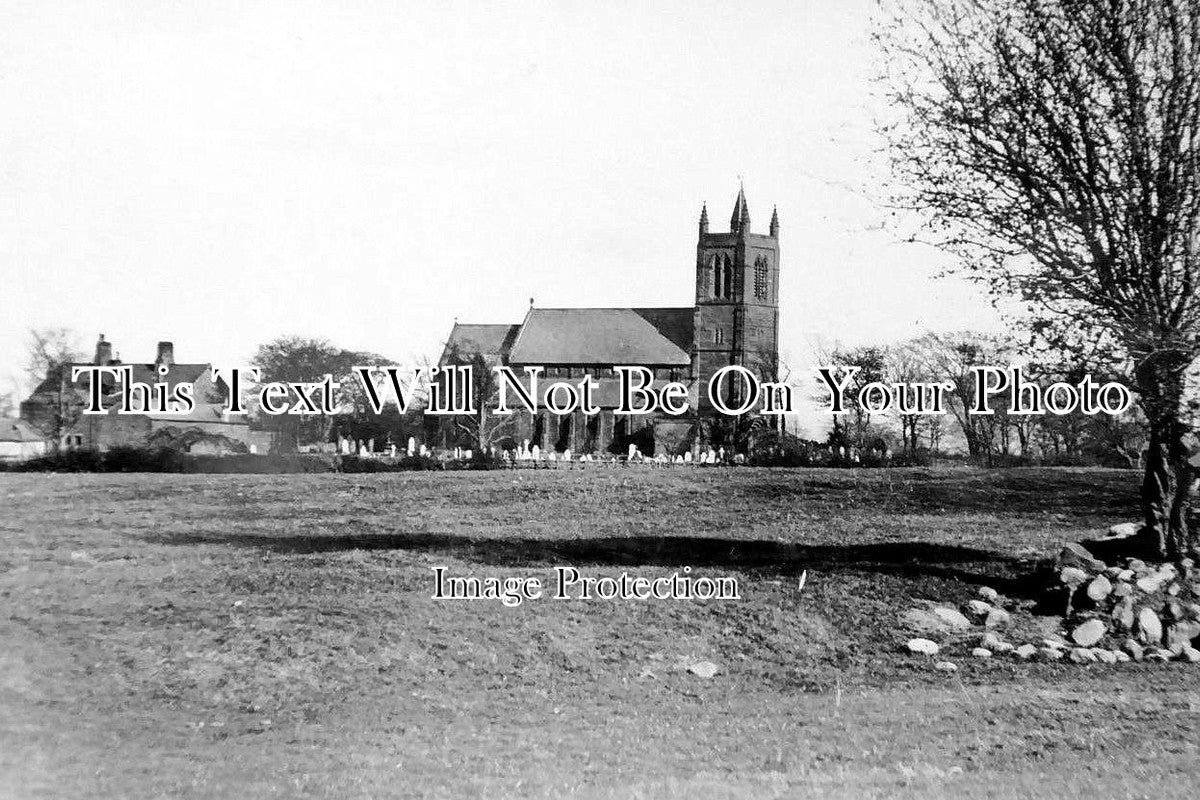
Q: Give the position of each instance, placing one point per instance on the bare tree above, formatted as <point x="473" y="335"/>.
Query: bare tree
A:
<point x="47" y="350"/>
<point x="48" y="353"/>
<point x="1055" y="146"/>
<point x="483" y="428"/>
<point x="949" y="357"/>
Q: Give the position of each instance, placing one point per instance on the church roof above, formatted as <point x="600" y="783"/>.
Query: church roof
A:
<point x="490" y="341"/>
<point x="609" y="336"/>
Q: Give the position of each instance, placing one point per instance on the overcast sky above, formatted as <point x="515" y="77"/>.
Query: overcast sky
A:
<point x="220" y="174"/>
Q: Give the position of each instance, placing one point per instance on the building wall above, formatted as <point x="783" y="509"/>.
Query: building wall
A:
<point x="736" y="326"/>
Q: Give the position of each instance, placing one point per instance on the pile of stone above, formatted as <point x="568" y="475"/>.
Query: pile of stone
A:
<point x="1144" y="610"/>
<point x="1131" y="611"/>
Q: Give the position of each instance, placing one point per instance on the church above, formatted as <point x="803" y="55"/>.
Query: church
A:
<point x="733" y="321"/>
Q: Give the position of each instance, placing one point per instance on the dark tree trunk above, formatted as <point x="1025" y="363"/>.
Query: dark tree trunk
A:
<point x="1167" y="488"/>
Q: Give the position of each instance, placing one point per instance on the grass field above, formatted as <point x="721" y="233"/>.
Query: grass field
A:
<point x="252" y="636"/>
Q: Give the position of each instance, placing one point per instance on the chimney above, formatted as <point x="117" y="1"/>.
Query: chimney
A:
<point x="104" y="355"/>
<point x="166" y="354"/>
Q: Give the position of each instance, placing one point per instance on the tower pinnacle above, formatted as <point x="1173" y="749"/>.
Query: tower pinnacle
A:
<point x="740" y="220"/>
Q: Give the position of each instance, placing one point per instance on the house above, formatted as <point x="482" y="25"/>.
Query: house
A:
<point x="734" y="320"/>
<point x="55" y="409"/>
<point x="19" y="440"/>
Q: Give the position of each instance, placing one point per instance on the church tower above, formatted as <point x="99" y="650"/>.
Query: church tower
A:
<point x="737" y="299"/>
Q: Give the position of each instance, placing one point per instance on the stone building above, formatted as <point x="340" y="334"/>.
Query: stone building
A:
<point x="55" y="408"/>
<point x="734" y="319"/>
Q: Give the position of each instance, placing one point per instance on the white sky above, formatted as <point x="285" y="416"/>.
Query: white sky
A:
<point x="218" y="174"/>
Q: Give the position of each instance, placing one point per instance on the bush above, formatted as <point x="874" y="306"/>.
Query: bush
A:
<point x="357" y="464"/>
<point x="164" y="459"/>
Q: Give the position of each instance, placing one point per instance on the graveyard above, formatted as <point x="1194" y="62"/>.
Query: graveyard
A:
<point x="275" y="635"/>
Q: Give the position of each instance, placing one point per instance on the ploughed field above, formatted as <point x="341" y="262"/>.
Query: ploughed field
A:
<point x="255" y="636"/>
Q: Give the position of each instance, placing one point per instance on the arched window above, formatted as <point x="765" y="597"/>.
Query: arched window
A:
<point x="728" y="284"/>
<point x="762" y="277"/>
<point x="716" y="269"/>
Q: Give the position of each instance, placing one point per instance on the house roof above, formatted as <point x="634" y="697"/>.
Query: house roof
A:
<point x="201" y="412"/>
<point x="18" y="430"/>
<point x="611" y="336"/>
<point x="142" y="373"/>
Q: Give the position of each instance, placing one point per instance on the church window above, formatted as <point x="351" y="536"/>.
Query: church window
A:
<point x="717" y="280"/>
<point x="761" y="278"/>
<point x="718" y="336"/>
<point x="728" y="285"/>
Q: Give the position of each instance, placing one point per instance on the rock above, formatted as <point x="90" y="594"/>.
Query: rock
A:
<point x="1122" y="614"/>
<point x="1122" y="541"/>
<point x="1121" y="656"/>
<point x="1174" y="610"/>
<point x="1122" y="589"/>
<point x="1082" y="655"/>
<point x="992" y="641"/>
<point x="981" y="652"/>
<point x="989" y="595"/>
<point x="935" y="619"/>
<point x="1158" y="654"/>
<point x="1025" y="651"/>
<point x="1173" y="589"/>
<point x="1051" y="653"/>
<point x="1076" y="555"/>
<point x="1182" y="633"/>
<point x="1100" y="588"/>
<point x="1104" y="656"/>
<point x="923" y="647"/>
<point x="1089" y="633"/>
<point x="978" y="608"/>
<point x="1193" y="610"/>
<point x="1125" y="575"/>
<point x="1149" y="626"/>
<point x="1191" y="655"/>
<point x="946" y="666"/>
<point x="1135" y="565"/>
<point x="1055" y="641"/>
<point x="1135" y="650"/>
<point x="1072" y="577"/>
<point x="997" y="618"/>
<point x="704" y="669"/>
<point x="1150" y="584"/>
<point x="952" y="617"/>
<point x="1124" y="529"/>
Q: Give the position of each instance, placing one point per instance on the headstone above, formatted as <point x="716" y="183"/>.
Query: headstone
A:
<point x="412" y="446"/>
